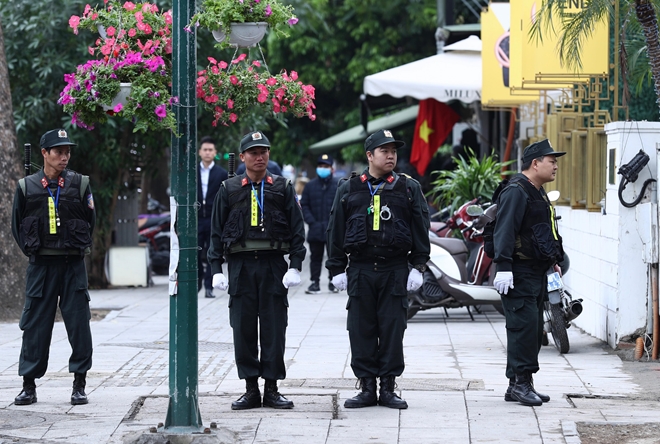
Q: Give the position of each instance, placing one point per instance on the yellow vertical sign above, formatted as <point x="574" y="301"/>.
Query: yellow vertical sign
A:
<point x="532" y="56"/>
<point x="496" y="58"/>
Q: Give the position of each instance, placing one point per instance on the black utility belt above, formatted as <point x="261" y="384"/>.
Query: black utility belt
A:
<point x="249" y="254"/>
<point x="52" y="259"/>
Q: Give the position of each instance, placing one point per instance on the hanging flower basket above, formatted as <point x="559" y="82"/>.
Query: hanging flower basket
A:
<point x="121" y="98"/>
<point x="233" y="90"/>
<point x="130" y="74"/>
<point x="242" y="35"/>
<point x="222" y="16"/>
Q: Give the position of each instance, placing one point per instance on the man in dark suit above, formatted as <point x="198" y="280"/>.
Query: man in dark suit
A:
<point x="209" y="178"/>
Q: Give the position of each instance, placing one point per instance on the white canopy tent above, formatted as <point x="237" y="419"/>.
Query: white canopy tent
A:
<point x="452" y="75"/>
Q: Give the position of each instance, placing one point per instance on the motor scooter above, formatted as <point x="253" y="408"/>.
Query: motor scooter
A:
<point x="459" y="272"/>
<point x="155" y="233"/>
<point x="559" y="310"/>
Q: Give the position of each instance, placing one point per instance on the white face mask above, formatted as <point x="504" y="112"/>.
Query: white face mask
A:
<point x="323" y="172"/>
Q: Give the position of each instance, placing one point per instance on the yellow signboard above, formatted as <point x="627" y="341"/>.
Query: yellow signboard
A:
<point x="530" y="57"/>
<point x="495" y="59"/>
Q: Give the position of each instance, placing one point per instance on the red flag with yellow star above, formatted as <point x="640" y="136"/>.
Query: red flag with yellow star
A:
<point x="434" y="123"/>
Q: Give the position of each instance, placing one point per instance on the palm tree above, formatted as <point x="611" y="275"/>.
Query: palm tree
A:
<point x="640" y="23"/>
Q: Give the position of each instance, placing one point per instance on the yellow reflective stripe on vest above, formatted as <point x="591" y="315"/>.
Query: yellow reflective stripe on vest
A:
<point x="376" y="226"/>
<point x="553" y="223"/>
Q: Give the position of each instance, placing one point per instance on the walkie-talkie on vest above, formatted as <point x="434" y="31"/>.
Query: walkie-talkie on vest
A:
<point x="28" y="153"/>
<point x="231" y="165"/>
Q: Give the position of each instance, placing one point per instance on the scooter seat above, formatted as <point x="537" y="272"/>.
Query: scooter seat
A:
<point x="452" y="245"/>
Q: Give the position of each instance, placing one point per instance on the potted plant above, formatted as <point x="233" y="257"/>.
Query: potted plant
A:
<point x="231" y="90"/>
<point x="223" y="16"/>
<point x="135" y="54"/>
<point x="472" y="178"/>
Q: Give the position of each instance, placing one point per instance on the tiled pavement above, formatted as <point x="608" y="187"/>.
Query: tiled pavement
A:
<point x="454" y="381"/>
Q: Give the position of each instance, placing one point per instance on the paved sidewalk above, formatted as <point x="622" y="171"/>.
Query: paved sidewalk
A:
<point x="454" y="380"/>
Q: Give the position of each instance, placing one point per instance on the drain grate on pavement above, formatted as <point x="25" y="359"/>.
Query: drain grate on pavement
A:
<point x="402" y="383"/>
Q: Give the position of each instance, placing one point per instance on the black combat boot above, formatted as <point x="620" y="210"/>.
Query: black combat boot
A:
<point x="251" y="398"/>
<point x="512" y="381"/>
<point x="523" y="392"/>
<point x="387" y="396"/>
<point x="366" y="398"/>
<point x="273" y="398"/>
<point x="544" y="398"/>
<point x="507" y="395"/>
<point x="78" y="395"/>
<point x="29" y="394"/>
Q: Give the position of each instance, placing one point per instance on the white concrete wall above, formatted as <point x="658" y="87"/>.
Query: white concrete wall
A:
<point x="610" y="251"/>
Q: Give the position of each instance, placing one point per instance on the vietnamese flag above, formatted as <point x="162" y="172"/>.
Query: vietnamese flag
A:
<point x="434" y="123"/>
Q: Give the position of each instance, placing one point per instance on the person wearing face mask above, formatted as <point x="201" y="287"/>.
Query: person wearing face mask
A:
<point x="316" y="202"/>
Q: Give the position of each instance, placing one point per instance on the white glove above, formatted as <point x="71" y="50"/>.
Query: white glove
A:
<point x="503" y="281"/>
<point x="220" y="282"/>
<point x="340" y="281"/>
<point x="291" y="278"/>
<point x="415" y="280"/>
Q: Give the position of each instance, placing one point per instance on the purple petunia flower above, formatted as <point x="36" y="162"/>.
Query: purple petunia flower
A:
<point x="161" y="112"/>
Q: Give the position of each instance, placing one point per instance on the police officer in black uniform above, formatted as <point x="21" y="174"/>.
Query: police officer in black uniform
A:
<point x="53" y="220"/>
<point x="378" y="246"/>
<point x="256" y="220"/>
<point x="527" y="244"/>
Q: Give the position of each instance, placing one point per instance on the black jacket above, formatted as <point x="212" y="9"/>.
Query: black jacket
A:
<point x="216" y="176"/>
<point x="316" y="203"/>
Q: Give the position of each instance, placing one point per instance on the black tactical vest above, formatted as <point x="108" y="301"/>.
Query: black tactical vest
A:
<point x="238" y="233"/>
<point x="393" y="237"/>
<point x="538" y="238"/>
<point x="73" y="234"/>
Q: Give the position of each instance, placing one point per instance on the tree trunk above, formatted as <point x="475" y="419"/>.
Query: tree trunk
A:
<point x="649" y="21"/>
<point x="14" y="263"/>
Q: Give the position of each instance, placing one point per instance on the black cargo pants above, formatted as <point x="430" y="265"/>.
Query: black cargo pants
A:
<point x="51" y="280"/>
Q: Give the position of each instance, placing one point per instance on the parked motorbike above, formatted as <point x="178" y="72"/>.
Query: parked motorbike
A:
<point x="560" y="310"/>
<point x="155" y="232"/>
<point x="459" y="272"/>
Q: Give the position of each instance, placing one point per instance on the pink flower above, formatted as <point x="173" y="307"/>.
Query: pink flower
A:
<point x="87" y="10"/>
<point x="261" y="98"/>
<point x="222" y="65"/>
<point x="233" y="79"/>
<point x="129" y="6"/>
<point x="139" y="17"/>
<point x="294" y="75"/>
<point x="110" y="31"/>
<point x="132" y="32"/>
<point x="212" y="60"/>
<point x="240" y="58"/>
<point x="292" y="21"/>
<point x="215" y="69"/>
<point x="161" y="111"/>
<point x="147" y="28"/>
<point x="230" y="104"/>
<point x="257" y="63"/>
<point x="168" y="17"/>
<point x="118" y="108"/>
<point x="233" y="117"/>
<point x="74" y="21"/>
<point x="268" y="11"/>
<point x="90" y="50"/>
<point x="146" y="7"/>
<point x="272" y="81"/>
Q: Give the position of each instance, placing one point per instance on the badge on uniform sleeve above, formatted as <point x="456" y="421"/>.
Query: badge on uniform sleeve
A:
<point x="90" y="201"/>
